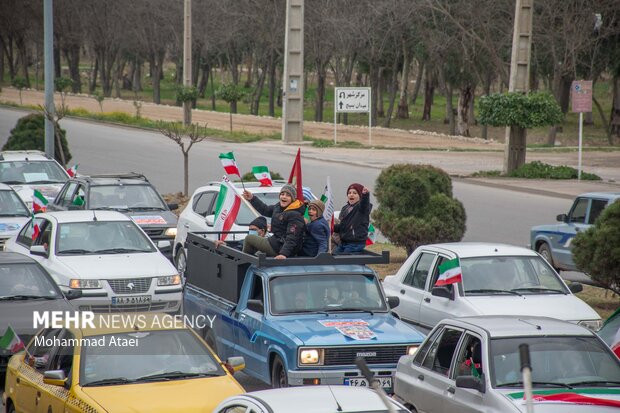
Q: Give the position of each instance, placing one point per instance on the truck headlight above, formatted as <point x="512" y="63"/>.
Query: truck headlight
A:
<point x="593" y="325"/>
<point x="169" y="280"/>
<point x="311" y="356"/>
<point x="84" y="284"/>
<point x="171" y="232"/>
<point x="411" y="350"/>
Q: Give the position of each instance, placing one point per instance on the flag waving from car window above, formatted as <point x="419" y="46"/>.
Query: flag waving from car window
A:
<point x="226" y="208"/>
<point x="229" y="164"/>
<point x="39" y="202"/>
<point x="262" y="175"/>
<point x="10" y="341"/>
<point x="449" y="273"/>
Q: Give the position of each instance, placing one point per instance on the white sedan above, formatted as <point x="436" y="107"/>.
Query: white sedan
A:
<point x="497" y="279"/>
<point x="309" y="399"/>
<point x="105" y="255"/>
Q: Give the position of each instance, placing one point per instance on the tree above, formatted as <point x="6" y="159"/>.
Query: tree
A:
<point x="230" y="93"/>
<point x="19" y="83"/>
<point x="177" y="132"/>
<point x="29" y="134"/>
<point x="416" y="206"/>
<point x="187" y="94"/>
<point x="596" y="251"/>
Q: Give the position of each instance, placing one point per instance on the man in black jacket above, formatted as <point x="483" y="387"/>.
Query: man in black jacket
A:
<point x="354" y="220"/>
<point x="287" y="225"/>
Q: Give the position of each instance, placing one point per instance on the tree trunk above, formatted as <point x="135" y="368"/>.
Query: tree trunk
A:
<point x="393" y="86"/>
<point x="10" y="58"/>
<point x="272" y="83"/>
<point x="562" y="95"/>
<point x="204" y="79"/>
<point x="380" y="90"/>
<point x="230" y="117"/>
<point x="515" y="149"/>
<point x="488" y="78"/>
<point x="57" y="62"/>
<point x="374" y="84"/>
<point x="429" y="90"/>
<point x="118" y="83"/>
<point x="418" y="83"/>
<point x="93" y="78"/>
<point x="403" y="106"/>
<point x="248" y="79"/>
<point x="136" y="80"/>
<point x="212" y="92"/>
<point x="72" y="54"/>
<point x="2" y="58"/>
<point x="615" y="110"/>
<point x="22" y="50"/>
<point x="321" y="71"/>
<point x="185" y="173"/>
<point x="606" y="125"/>
<point x="258" y="91"/>
<point x="465" y="97"/>
<point x="155" y="60"/>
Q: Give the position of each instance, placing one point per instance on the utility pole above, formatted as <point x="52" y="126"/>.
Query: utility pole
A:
<point x="48" y="56"/>
<point x="293" y="86"/>
<point x="187" y="59"/>
<point x="514" y="155"/>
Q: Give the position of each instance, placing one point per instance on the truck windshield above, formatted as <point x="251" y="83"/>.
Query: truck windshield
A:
<point x="325" y="293"/>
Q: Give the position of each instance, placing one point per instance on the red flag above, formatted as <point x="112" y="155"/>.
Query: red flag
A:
<point x="295" y="176"/>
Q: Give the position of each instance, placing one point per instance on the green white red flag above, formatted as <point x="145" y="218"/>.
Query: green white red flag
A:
<point x="262" y="175"/>
<point x="371" y="235"/>
<point x="229" y="164"/>
<point x="39" y="202"/>
<point x="72" y="171"/>
<point x="575" y="398"/>
<point x="449" y="273"/>
<point x="10" y="341"/>
<point x="226" y="208"/>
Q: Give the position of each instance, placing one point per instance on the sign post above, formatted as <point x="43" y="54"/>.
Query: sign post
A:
<point x="352" y="100"/>
<point x="581" y="101"/>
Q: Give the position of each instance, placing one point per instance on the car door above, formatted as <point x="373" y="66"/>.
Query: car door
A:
<point x="54" y="398"/>
<point x="412" y="289"/>
<point x="575" y="222"/>
<point x="64" y="198"/>
<point x="433" y="309"/>
<point x="469" y="362"/>
<point x="434" y="383"/>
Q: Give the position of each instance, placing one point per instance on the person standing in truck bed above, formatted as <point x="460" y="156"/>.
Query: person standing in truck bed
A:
<point x="287" y="225"/>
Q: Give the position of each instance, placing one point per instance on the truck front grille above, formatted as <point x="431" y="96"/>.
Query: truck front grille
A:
<point x="127" y="308"/>
<point x="342" y="356"/>
<point x="130" y="285"/>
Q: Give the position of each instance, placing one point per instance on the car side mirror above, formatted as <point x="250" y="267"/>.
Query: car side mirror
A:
<point x="163" y="244"/>
<point x="73" y="294"/>
<point x="443" y="291"/>
<point x="39" y="250"/>
<point x="235" y="364"/>
<point x="562" y="218"/>
<point x="173" y="206"/>
<point x="471" y="382"/>
<point x="575" y="288"/>
<point x="210" y="220"/>
<point x="55" y="378"/>
<point x="256" y="305"/>
<point x="393" y="301"/>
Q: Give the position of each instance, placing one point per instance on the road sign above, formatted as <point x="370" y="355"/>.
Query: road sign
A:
<point x="352" y="99"/>
<point x="581" y="95"/>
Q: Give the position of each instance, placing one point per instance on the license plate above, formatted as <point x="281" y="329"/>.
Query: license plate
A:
<point x="132" y="299"/>
<point x="386" y="382"/>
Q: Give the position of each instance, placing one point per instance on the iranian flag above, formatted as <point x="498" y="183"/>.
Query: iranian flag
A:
<point x="72" y="171"/>
<point x="35" y="229"/>
<point x="262" y="175"/>
<point x="226" y="209"/>
<point x="229" y="164"/>
<point x="39" y="202"/>
<point x="576" y="398"/>
<point x="449" y="273"/>
<point x="10" y="341"/>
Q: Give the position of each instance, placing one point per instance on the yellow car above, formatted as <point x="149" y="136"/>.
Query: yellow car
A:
<point x="139" y="368"/>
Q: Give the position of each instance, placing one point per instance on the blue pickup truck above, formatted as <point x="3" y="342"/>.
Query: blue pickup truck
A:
<point x="296" y="321"/>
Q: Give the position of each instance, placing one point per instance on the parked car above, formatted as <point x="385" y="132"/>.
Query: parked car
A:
<point x="105" y="255"/>
<point x="472" y="364"/>
<point x="166" y="370"/>
<point x="497" y="279"/>
<point x="26" y="171"/>
<point x="199" y="216"/>
<point x="312" y="399"/>
<point x="610" y="332"/>
<point x="13" y="213"/>
<point x="25" y="287"/>
<point x="130" y="193"/>
<point x="554" y="241"/>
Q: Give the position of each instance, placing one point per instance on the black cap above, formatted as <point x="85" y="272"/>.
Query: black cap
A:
<point x="260" y="223"/>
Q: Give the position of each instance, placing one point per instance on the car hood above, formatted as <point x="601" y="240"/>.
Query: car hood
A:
<point x="560" y="306"/>
<point x="195" y="395"/>
<point x="317" y="330"/>
<point x="10" y="226"/>
<point x="26" y="192"/>
<point x="118" y="265"/>
<point x="590" y="400"/>
<point x="149" y="219"/>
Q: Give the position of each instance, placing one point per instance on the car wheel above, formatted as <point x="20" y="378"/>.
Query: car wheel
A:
<point x="545" y="251"/>
<point x="210" y="339"/>
<point x="181" y="261"/>
<point x="11" y="408"/>
<point x="279" y="378"/>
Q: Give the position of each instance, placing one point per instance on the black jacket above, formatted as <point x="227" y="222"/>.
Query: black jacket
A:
<point x="287" y="226"/>
<point x="354" y="221"/>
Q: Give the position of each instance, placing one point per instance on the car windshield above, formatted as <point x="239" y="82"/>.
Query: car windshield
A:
<point x="134" y="197"/>
<point x="31" y="172"/>
<point x="160" y="355"/>
<point x="12" y="206"/>
<point x="24" y="280"/>
<point x="101" y="237"/>
<point x="556" y="361"/>
<point x="510" y="274"/>
<point x="325" y="293"/>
